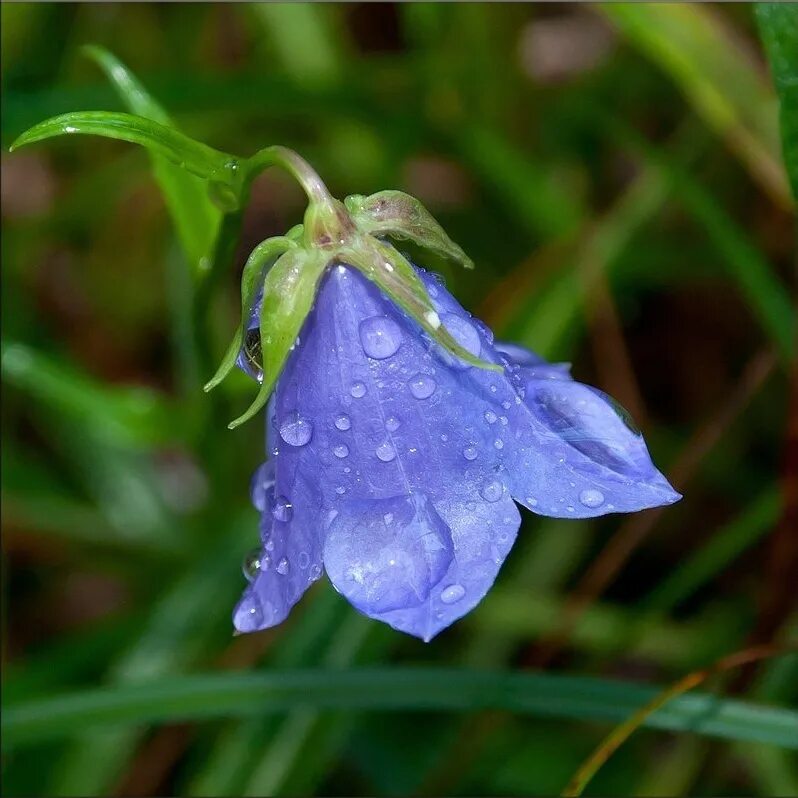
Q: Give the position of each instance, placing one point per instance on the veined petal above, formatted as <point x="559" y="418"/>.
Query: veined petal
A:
<point x="569" y="449"/>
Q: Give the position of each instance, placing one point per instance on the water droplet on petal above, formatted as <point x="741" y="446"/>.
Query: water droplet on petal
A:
<point x="490" y="416"/>
<point x="296" y="430"/>
<point x="591" y="497"/>
<point x="422" y="386"/>
<point x="380" y="337"/>
<point x="283" y="567"/>
<point x="357" y="390"/>
<point x="304" y="559"/>
<point x="492" y="491"/>
<point x="342" y="422"/>
<point x="283" y="509"/>
<point x="498" y="443"/>
<point x="385" y="452"/>
<point x="251" y="565"/>
<point x="470" y="452"/>
<point x="392" y="423"/>
<point x="452" y="594"/>
<point x="315" y="572"/>
<point x="341" y="450"/>
<point x="262" y="485"/>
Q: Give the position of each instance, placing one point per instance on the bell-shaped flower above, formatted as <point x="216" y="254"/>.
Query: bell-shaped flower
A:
<point x="395" y="467"/>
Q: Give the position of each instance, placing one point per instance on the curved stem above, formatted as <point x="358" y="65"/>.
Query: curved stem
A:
<point x="293" y="163"/>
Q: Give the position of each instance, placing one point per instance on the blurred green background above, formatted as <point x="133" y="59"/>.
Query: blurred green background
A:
<point x="616" y="173"/>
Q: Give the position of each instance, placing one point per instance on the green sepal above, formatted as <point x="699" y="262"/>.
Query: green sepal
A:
<point x="398" y="215"/>
<point x="251" y="279"/>
<point x="393" y="273"/>
<point x="197" y="158"/>
<point x="289" y="291"/>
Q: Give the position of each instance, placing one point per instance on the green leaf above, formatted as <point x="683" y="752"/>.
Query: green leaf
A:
<point x="195" y="157"/>
<point x="189" y="697"/>
<point x="778" y="24"/>
<point x="288" y="294"/>
<point x="398" y="215"/>
<point x="251" y="280"/>
<point x="385" y="266"/>
<point x="721" y="83"/>
<point x="195" y="215"/>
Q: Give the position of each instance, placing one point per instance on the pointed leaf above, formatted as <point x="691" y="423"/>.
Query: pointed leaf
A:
<point x="394" y="274"/>
<point x="251" y="280"/>
<point x="398" y="215"/>
<point x="195" y="157"/>
<point x="195" y="215"/>
<point x="288" y="294"/>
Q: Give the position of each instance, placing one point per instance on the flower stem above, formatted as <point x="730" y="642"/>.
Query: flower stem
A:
<point x="293" y="163"/>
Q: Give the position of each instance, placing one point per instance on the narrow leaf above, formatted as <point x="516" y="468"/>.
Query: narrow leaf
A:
<point x="778" y="24"/>
<point x="288" y="294"/>
<point x="251" y="280"/>
<point x="254" y="694"/>
<point x="195" y="215"/>
<point x="385" y="266"/>
<point x="195" y="157"/>
<point x="703" y="58"/>
<point x="398" y="215"/>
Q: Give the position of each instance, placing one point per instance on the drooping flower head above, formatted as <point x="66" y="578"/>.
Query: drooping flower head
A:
<point x="401" y="437"/>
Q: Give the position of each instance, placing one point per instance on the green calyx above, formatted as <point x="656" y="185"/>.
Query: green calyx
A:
<point x="286" y="270"/>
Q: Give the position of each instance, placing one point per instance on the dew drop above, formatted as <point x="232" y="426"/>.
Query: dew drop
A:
<point x="498" y="443"/>
<point x="490" y="416"/>
<point x="470" y="452"/>
<point x="251" y="565"/>
<point x="591" y="497"/>
<point x="296" y="430"/>
<point x="340" y="490"/>
<point x="385" y="452"/>
<point x="342" y="422"/>
<point x="357" y="390"/>
<point x="303" y="559"/>
<point x="283" y="509"/>
<point x="392" y="423"/>
<point x="261" y="485"/>
<point x="380" y="337"/>
<point x="452" y="594"/>
<point x="531" y="501"/>
<point x="315" y="572"/>
<point x="283" y="567"/>
<point x="492" y="491"/>
<point x="341" y="450"/>
<point x="422" y="386"/>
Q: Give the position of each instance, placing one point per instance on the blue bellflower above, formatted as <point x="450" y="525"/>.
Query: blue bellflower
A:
<point x="396" y="466"/>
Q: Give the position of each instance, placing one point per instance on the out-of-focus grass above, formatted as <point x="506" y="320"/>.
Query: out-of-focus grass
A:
<point x="569" y="157"/>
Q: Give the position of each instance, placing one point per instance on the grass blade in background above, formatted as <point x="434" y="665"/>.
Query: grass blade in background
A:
<point x="195" y="216"/>
<point x="778" y="24"/>
<point x="195" y="697"/>
<point x="697" y="50"/>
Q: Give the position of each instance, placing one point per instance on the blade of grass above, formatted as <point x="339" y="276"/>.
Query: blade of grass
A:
<point x="778" y="25"/>
<point x="622" y="733"/>
<point x="208" y="696"/>
<point x="694" y="46"/>
<point x="195" y="216"/>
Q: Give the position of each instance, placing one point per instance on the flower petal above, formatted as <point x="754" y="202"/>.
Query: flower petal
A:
<point x="482" y="535"/>
<point x="570" y="451"/>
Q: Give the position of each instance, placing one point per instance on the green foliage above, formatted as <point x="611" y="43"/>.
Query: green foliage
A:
<point x="627" y="210"/>
<point x="779" y="25"/>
